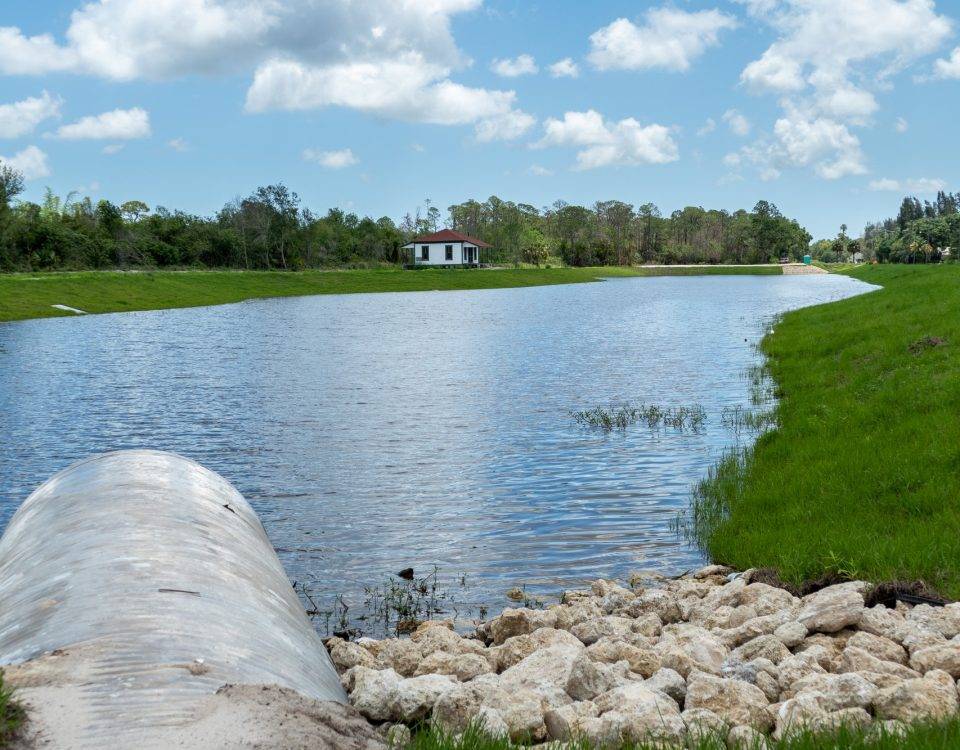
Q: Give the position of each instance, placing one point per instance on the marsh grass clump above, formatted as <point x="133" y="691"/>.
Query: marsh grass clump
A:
<point x="393" y="607"/>
<point x="752" y="421"/>
<point x="681" y="418"/>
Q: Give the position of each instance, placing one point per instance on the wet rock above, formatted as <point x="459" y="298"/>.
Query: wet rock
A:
<point x="832" y="609"/>
<point x="734" y="701"/>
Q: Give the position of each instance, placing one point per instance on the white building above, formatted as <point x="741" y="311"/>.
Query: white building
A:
<point x="446" y="248"/>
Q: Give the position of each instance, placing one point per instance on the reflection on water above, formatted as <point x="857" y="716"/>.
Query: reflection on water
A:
<point x="376" y="432"/>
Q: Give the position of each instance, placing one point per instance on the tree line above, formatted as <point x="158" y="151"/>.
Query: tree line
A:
<point x="271" y="229"/>
<point x="927" y="232"/>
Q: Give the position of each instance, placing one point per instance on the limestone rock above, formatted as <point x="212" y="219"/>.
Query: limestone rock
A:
<point x="657" y="602"/>
<point x="879" y="646"/>
<point x="857" y="660"/>
<point x="518" y="648"/>
<point x="400" y="654"/>
<point x="566" y="722"/>
<point x="831" y="609"/>
<point x="945" y="657"/>
<point x="669" y="682"/>
<point x="345" y="654"/>
<point x="513" y="622"/>
<point x="413" y="698"/>
<point x="643" y="661"/>
<point x="462" y="666"/>
<point x="881" y="621"/>
<point x="838" y="691"/>
<point x="746" y="738"/>
<point x="932" y="697"/>
<point x="765" y="646"/>
<point x="491" y="722"/>
<point x="847" y="718"/>
<point x="733" y="701"/>
<point x="791" y="634"/>
<point x="590" y="631"/>
<point x="372" y="690"/>
<point x="703" y="725"/>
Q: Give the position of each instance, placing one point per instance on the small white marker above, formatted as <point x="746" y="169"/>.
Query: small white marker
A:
<point x="67" y="308"/>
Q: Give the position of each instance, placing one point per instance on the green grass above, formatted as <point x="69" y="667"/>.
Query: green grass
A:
<point x="718" y="270"/>
<point x="862" y="477"/>
<point x="24" y="296"/>
<point x="12" y="715"/>
<point x="920" y="737"/>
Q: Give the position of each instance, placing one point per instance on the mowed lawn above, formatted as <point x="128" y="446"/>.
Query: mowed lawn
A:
<point x="24" y="296"/>
<point x="862" y="477"/>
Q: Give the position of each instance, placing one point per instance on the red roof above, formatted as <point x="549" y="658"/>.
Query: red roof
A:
<point x="448" y="235"/>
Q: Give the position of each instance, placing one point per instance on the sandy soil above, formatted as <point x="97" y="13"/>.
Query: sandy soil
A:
<point x="65" y="713"/>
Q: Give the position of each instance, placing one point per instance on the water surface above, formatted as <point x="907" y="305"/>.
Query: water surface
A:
<point x="375" y="432"/>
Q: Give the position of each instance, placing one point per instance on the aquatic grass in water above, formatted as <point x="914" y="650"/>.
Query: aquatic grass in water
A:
<point x="681" y="418"/>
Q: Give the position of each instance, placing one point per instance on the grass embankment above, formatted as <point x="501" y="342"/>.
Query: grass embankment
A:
<point x="862" y="476"/>
<point x="24" y="296"/>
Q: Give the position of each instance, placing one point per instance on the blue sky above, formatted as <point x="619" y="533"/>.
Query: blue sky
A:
<point x="832" y="110"/>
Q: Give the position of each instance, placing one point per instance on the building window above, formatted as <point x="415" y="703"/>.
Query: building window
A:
<point x="425" y="252"/>
<point x="449" y="252"/>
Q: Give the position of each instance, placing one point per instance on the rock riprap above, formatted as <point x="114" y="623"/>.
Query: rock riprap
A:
<point x="666" y="660"/>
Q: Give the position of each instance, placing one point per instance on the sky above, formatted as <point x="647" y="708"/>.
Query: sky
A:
<point x="832" y="110"/>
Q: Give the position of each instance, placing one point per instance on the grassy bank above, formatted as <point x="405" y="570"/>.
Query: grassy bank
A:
<point x="24" y="296"/>
<point x="862" y="477"/>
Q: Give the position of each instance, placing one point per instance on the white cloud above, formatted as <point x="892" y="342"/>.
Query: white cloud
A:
<point x="708" y="127"/>
<point x="565" y="68"/>
<point x="418" y="147"/>
<point x="523" y="65"/>
<point x="387" y="58"/>
<point x="331" y="159"/>
<point x="669" y="38"/>
<point x="914" y="185"/>
<point x="602" y="143"/>
<point x="737" y="122"/>
<point x="120" y="124"/>
<point x="901" y="125"/>
<point x="538" y="171"/>
<point x="822" y="41"/>
<point x="21" y="118"/>
<point x="178" y="144"/>
<point x="827" y="62"/>
<point x="801" y="139"/>
<point x="112" y="149"/>
<point x="406" y="88"/>
<point x="31" y="163"/>
<point x="948" y="67"/>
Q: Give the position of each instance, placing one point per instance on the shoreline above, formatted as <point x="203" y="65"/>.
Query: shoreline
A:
<point x="713" y="656"/>
<point x="28" y="296"/>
